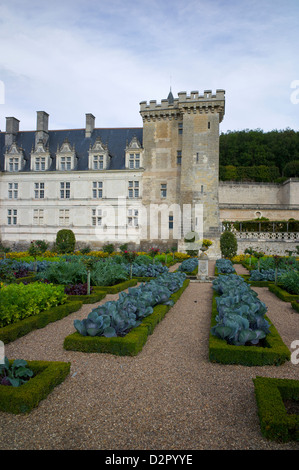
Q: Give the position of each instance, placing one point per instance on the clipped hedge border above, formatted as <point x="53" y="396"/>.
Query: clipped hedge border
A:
<point x="274" y="353"/>
<point x="30" y="278"/>
<point x="276" y="424"/>
<point x="295" y="305"/>
<point x="118" y="287"/>
<point x="129" y="345"/>
<point x="21" y="328"/>
<point x="96" y="296"/>
<point x="282" y="294"/>
<point x="47" y="375"/>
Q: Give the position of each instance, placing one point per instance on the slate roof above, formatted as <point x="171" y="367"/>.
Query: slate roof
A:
<point x="115" y="138"/>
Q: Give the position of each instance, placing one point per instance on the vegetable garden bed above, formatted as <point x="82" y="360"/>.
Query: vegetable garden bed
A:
<point x="21" y="328"/>
<point x="22" y="399"/>
<point x="130" y="344"/>
<point x="275" y="351"/>
<point x="281" y="293"/>
<point x="275" y="421"/>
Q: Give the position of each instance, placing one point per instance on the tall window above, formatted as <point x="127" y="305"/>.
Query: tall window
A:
<point x="39" y="190"/>
<point x="170" y="222"/>
<point x="65" y="163"/>
<point x="40" y="163"/>
<point x="13" y="190"/>
<point x="65" y="190"/>
<point x="132" y="218"/>
<point x="180" y="127"/>
<point x="133" y="189"/>
<point x="163" y="190"/>
<point x="98" y="162"/>
<point x="38" y="216"/>
<point x="12" y="216"/>
<point x="64" y="217"/>
<point x="96" y="218"/>
<point x="179" y="157"/>
<point x="134" y="160"/>
<point x="97" y="189"/>
<point x="13" y="164"/>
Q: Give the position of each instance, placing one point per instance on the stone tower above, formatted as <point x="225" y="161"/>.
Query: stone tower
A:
<point x="181" y="156"/>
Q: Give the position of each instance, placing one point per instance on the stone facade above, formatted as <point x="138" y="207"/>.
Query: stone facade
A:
<point x="147" y="186"/>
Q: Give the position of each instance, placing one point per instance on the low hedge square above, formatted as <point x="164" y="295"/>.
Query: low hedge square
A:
<point x="47" y="375"/>
<point x="276" y="423"/>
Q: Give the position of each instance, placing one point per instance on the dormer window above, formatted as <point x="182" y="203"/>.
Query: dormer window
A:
<point x="14" y="164"/>
<point x="65" y="157"/>
<point x="134" y="153"/>
<point x="40" y="157"/>
<point x="134" y="160"/>
<point x="98" y="156"/>
<point x="65" y="163"/>
<point x="98" y="162"/>
<point x="14" y="158"/>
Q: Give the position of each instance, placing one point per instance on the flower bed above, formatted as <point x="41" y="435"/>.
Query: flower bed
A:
<point x="47" y="375"/>
<point x="276" y="423"/>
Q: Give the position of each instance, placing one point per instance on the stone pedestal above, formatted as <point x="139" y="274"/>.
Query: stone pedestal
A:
<point x="203" y="268"/>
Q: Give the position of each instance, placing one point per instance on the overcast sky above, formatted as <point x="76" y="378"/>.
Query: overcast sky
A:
<point x="72" y="57"/>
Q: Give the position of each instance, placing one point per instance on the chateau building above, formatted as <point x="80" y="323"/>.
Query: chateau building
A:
<point x="146" y="186"/>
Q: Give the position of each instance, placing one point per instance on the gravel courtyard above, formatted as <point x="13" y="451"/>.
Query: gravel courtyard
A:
<point x="169" y="397"/>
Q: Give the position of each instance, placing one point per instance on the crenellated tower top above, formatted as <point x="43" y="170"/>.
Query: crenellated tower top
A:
<point x="208" y="102"/>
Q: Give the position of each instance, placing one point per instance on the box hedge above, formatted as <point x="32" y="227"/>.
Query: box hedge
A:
<point x="282" y="294"/>
<point x="276" y="423"/>
<point x="21" y="328"/>
<point x="128" y="345"/>
<point x="118" y="287"/>
<point x="96" y="296"/>
<point x="47" y="375"/>
<point x="274" y="352"/>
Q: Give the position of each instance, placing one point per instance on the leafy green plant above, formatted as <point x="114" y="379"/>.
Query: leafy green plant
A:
<point x="188" y="265"/>
<point x="108" y="248"/>
<point x="225" y="266"/>
<point x="117" y="318"/>
<point x="106" y="273"/>
<point x="240" y="319"/>
<point x="65" y="241"/>
<point x="14" y="374"/>
<point x="19" y="301"/>
<point x="64" y="272"/>
<point x="290" y="282"/>
<point x="228" y="244"/>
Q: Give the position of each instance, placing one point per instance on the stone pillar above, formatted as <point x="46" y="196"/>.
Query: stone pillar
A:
<point x="203" y="267"/>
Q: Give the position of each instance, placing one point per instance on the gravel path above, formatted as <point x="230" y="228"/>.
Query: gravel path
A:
<point x="168" y="397"/>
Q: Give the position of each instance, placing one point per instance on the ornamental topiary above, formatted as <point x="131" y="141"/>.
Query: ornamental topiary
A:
<point x="228" y="244"/>
<point x="65" y="241"/>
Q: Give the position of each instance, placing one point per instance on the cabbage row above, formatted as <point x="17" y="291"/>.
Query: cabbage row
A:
<point x="241" y="315"/>
<point x="118" y="317"/>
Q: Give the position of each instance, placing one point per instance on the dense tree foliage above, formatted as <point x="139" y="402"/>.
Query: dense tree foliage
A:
<point x="250" y="148"/>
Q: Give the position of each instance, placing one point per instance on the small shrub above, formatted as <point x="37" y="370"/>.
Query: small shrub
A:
<point x="65" y="241"/>
<point x="228" y="244"/>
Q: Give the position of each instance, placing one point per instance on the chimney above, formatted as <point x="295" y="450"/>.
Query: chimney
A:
<point x="12" y="128"/>
<point x="90" y="120"/>
<point x="42" y="127"/>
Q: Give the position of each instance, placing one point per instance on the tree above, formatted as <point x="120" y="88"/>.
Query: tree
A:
<point x="65" y="241"/>
<point x="228" y="244"/>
